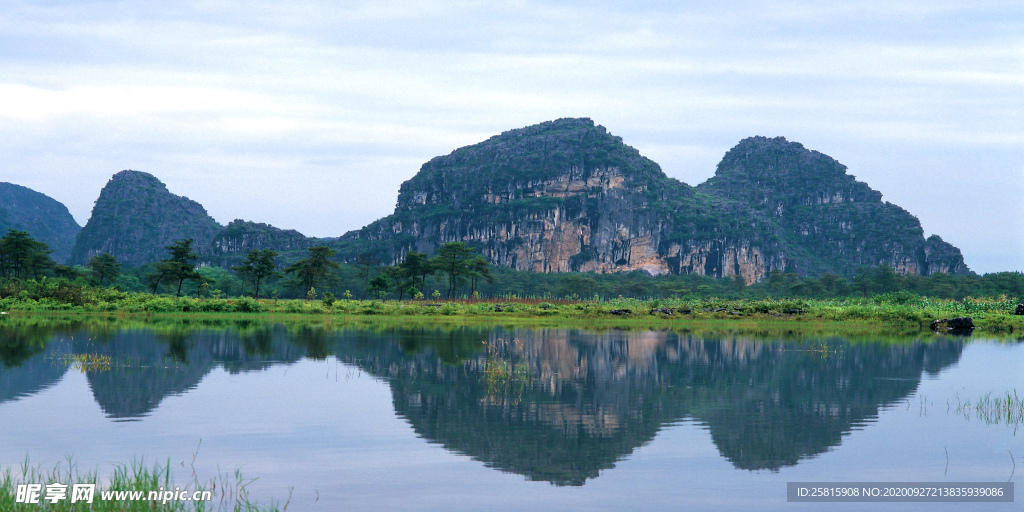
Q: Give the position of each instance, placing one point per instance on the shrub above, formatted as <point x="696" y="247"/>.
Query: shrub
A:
<point x="215" y="305"/>
<point x="900" y="298"/>
<point x="188" y="305"/>
<point x="160" y="305"/>
<point x="372" y="308"/>
<point x="248" y="305"/>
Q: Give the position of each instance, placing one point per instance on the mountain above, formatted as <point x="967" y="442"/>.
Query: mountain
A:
<point x="241" y="236"/>
<point x="566" y="195"/>
<point x="43" y="217"/>
<point x="136" y="217"/>
<point x="830" y="221"/>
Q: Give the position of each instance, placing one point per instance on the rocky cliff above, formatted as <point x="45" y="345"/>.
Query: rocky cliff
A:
<point x="136" y="216"/>
<point x="831" y="221"/>
<point x="43" y="217"/>
<point x="566" y="195"/>
<point x="241" y="236"/>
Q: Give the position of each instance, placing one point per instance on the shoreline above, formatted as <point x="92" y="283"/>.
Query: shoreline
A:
<point x="852" y="318"/>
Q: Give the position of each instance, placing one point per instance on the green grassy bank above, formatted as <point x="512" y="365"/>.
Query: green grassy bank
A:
<point x="901" y="312"/>
<point x="228" y="492"/>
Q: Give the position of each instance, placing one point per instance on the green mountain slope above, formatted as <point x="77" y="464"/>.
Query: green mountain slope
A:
<point x="566" y="195"/>
<point x="43" y="217"/>
<point x="831" y="221"/>
<point x="136" y="216"/>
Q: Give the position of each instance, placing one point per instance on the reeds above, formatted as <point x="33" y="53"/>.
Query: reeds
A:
<point x="506" y="371"/>
<point x="227" y="492"/>
<point x="1001" y="409"/>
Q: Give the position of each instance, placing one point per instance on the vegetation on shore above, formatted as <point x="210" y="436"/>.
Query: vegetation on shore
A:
<point x="457" y="271"/>
<point x="31" y="282"/>
<point x="228" y="492"/>
<point x="899" y="310"/>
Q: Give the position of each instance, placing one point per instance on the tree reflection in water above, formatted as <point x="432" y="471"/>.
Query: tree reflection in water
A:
<point x="556" y="405"/>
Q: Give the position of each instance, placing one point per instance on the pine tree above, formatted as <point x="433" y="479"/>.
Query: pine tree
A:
<point x="258" y="265"/>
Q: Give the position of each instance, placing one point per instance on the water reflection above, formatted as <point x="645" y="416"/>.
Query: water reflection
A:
<point x="586" y="400"/>
<point x="556" y="405"/>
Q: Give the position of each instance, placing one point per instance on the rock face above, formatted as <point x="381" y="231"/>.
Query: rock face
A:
<point x="566" y="195"/>
<point x="831" y="221"/>
<point x="241" y="236"/>
<point x="136" y="216"/>
<point x="43" y="217"/>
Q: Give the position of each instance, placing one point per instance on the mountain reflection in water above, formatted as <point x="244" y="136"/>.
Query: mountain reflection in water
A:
<point x="556" y="405"/>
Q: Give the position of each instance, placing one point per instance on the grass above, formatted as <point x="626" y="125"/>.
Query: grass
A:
<point x="505" y="369"/>
<point x="903" y="313"/>
<point x="994" y="410"/>
<point x="228" y="492"/>
<point x="85" y="362"/>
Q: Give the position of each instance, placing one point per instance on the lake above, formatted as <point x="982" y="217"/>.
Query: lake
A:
<point x="392" y="417"/>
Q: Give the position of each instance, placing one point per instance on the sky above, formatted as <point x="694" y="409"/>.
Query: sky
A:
<point x="309" y="115"/>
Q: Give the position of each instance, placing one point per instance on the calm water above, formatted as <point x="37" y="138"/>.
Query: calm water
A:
<point x="511" y="419"/>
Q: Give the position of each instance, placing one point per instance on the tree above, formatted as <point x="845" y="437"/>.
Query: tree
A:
<point x="21" y="255"/>
<point x="453" y="259"/>
<point x="153" y="280"/>
<point x="314" y="269"/>
<point x="258" y="265"/>
<point x="379" y="284"/>
<point x="222" y="280"/>
<point x="415" y="268"/>
<point x="410" y="275"/>
<point x="179" y="267"/>
<point x="862" y="281"/>
<point x="396" y="280"/>
<point x="105" y="267"/>
<point x="479" y="268"/>
<point x="885" y="279"/>
<point x="831" y="283"/>
<point x="737" y="283"/>
<point x="40" y="261"/>
<point x="365" y="264"/>
<point x="775" y="282"/>
<point x="67" y="272"/>
<point x="580" y="285"/>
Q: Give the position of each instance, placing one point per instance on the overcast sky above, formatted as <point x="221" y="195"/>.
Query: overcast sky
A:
<point x="309" y="115"/>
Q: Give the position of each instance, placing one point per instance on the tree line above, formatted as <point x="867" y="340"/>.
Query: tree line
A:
<point x="23" y="257"/>
<point x="457" y="262"/>
<point x="458" y="270"/>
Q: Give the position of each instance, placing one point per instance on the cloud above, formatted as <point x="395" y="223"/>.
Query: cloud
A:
<point x="322" y="109"/>
<point x="38" y="104"/>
